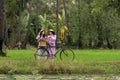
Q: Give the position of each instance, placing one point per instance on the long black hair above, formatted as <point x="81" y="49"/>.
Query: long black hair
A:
<point x="53" y="32"/>
<point x="41" y="34"/>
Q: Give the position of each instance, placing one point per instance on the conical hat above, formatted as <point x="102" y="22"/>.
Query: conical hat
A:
<point x="51" y="30"/>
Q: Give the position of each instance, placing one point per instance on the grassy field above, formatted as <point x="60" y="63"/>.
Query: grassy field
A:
<point x="80" y="55"/>
<point x="86" y="62"/>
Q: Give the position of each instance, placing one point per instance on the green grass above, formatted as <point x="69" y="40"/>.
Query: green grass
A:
<point x="98" y="55"/>
<point x="80" y="55"/>
<point x="19" y="55"/>
<point x="86" y="62"/>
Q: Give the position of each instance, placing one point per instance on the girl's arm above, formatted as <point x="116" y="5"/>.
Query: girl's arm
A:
<point x="53" y="37"/>
<point x="37" y="37"/>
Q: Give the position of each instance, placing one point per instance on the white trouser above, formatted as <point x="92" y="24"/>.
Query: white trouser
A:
<point x="42" y="54"/>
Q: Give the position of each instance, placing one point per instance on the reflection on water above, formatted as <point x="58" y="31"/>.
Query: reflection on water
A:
<point x="60" y="77"/>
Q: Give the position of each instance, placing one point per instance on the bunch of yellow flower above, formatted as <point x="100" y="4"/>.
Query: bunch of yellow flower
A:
<point x="62" y="32"/>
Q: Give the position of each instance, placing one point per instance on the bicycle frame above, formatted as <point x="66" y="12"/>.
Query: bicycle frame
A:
<point x="60" y="49"/>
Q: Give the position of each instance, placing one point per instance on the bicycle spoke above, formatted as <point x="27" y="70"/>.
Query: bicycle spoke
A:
<point x="41" y="54"/>
<point x="67" y="55"/>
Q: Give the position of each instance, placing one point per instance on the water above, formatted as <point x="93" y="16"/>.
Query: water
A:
<point x="60" y="77"/>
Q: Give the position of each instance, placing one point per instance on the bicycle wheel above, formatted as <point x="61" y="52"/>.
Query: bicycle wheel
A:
<point x="41" y="54"/>
<point x="67" y="55"/>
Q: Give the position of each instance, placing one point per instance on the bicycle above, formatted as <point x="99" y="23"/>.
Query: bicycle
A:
<point x="41" y="53"/>
<point x="65" y="54"/>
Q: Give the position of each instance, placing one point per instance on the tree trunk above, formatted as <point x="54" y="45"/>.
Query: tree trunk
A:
<point x="90" y="42"/>
<point x="100" y="33"/>
<point x="57" y="10"/>
<point x="2" y="10"/>
<point x="19" y="21"/>
<point x="80" y="37"/>
<point x="66" y="14"/>
<point x="28" y="29"/>
<point x="100" y="38"/>
<point x="37" y="19"/>
<point x="6" y="32"/>
<point x="17" y="36"/>
<point x="108" y="43"/>
<point x="80" y="41"/>
<point x="69" y="39"/>
<point x="36" y="22"/>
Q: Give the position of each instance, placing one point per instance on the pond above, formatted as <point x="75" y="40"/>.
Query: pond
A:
<point x="60" y="77"/>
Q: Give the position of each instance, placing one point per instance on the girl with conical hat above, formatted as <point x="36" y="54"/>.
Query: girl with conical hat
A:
<point x="41" y="38"/>
<point x="51" y="39"/>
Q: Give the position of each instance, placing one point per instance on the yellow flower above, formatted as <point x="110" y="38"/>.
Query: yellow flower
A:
<point x="62" y="33"/>
<point x="66" y="28"/>
<point x="59" y="17"/>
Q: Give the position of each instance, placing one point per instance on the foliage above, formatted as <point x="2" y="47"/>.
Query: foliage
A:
<point x="98" y="23"/>
<point x="92" y="23"/>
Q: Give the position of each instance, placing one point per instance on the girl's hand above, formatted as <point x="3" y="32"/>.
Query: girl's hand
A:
<point x="49" y="36"/>
<point x="43" y="39"/>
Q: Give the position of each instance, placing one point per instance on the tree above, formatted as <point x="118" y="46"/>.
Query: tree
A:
<point x="2" y="12"/>
<point x="79" y="39"/>
<point x="37" y="13"/>
<point x="28" y="27"/>
<point x="92" y="23"/>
